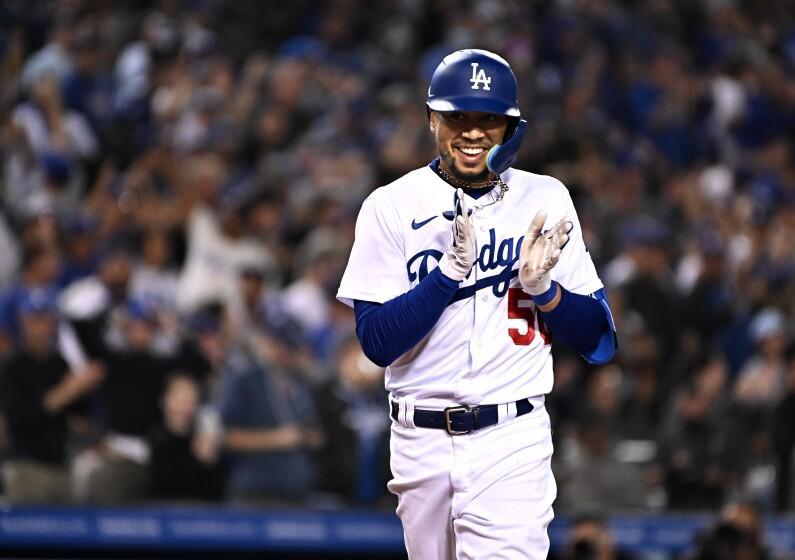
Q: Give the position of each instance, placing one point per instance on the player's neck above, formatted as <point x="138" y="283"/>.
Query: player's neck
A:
<point x="486" y="184"/>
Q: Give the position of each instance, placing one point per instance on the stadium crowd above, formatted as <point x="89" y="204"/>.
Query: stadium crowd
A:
<point x="180" y="182"/>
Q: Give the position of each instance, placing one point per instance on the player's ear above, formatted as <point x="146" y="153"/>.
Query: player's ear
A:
<point x="433" y="120"/>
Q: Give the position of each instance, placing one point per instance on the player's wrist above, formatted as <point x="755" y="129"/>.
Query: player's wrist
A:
<point x="452" y="268"/>
<point x="546" y="296"/>
<point x="537" y="286"/>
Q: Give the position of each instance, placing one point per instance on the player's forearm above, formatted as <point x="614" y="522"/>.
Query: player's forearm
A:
<point x="583" y="323"/>
<point x="387" y="331"/>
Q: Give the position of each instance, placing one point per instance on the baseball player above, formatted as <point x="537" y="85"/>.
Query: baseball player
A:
<point x="461" y="275"/>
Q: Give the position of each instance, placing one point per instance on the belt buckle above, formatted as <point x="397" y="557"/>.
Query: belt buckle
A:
<point x="447" y="425"/>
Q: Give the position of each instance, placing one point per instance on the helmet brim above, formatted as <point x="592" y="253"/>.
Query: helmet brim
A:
<point x="471" y="103"/>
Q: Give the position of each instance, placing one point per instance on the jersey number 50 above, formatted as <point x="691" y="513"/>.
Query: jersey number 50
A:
<point x="520" y="306"/>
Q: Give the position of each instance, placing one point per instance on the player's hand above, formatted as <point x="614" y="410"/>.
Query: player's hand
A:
<point x="540" y="253"/>
<point x="460" y="256"/>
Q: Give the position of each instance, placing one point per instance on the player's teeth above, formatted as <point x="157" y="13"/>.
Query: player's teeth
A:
<point x="472" y="151"/>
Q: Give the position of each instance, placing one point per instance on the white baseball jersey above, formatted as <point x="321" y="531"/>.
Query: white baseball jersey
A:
<point x="488" y="346"/>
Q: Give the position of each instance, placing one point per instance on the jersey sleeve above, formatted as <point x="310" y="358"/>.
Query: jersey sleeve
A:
<point x="376" y="269"/>
<point x="575" y="270"/>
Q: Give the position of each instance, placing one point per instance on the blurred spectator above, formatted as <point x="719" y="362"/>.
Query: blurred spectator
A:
<point x="50" y="143"/>
<point x="53" y="59"/>
<point x="696" y="455"/>
<point x="604" y="388"/>
<point x="268" y="331"/>
<point x="88" y="88"/>
<point x="747" y="517"/>
<point x="590" y="436"/>
<point x="642" y="405"/>
<point x="591" y="476"/>
<point x="40" y="265"/>
<point x="186" y="446"/>
<point x="762" y="380"/>
<point x="37" y="393"/>
<point x="589" y="539"/>
<point x="159" y="39"/>
<point x="81" y="249"/>
<point x="727" y="542"/>
<point x="709" y="307"/>
<point x="650" y="288"/>
<point x="737" y="535"/>
<point x="354" y="460"/>
<point x="269" y="429"/>
<point x="320" y="262"/>
<point x="204" y="352"/>
<point x="115" y="470"/>
<point x="154" y="279"/>
<point x="91" y="304"/>
<point x="218" y="245"/>
<point x="760" y="387"/>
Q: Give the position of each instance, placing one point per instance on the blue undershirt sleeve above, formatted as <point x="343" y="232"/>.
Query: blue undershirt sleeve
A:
<point x="585" y="324"/>
<point x="387" y="331"/>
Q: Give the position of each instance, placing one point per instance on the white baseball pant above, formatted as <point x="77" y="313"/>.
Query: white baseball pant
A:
<point x="487" y="494"/>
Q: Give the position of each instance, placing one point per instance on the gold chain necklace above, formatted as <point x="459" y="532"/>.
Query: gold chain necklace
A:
<point x="459" y="183"/>
<point x="497" y="181"/>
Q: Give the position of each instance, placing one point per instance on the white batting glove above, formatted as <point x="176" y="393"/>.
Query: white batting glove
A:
<point x="540" y="253"/>
<point x="460" y="256"/>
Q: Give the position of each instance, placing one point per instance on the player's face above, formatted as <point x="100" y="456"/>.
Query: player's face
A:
<point x="464" y="139"/>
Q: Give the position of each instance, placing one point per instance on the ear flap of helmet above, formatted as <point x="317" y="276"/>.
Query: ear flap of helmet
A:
<point x="502" y="156"/>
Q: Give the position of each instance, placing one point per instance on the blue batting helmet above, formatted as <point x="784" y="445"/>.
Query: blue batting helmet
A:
<point x="474" y="80"/>
<point x="479" y="80"/>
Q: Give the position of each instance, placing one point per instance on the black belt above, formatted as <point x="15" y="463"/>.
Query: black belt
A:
<point x="463" y="419"/>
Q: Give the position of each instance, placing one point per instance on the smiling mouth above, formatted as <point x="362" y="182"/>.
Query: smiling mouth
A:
<point x="471" y="152"/>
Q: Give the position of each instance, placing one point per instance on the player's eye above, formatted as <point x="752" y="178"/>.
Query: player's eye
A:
<point x="492" y="121"/>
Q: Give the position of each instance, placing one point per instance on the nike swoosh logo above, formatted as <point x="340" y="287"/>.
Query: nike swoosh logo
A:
<point x="417" y="225"/>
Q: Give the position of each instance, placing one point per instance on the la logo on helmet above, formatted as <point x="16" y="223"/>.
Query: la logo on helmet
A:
<point x="479" y="78"/>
